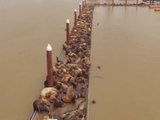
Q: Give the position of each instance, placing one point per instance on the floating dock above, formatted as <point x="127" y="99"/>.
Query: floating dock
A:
<point x="65" y="94"/>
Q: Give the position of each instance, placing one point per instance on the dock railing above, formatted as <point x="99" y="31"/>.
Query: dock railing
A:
<point x="33" y="115"/>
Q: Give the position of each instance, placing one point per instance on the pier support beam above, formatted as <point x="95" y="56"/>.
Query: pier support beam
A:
<point x="67" y="32"/>
<point x="75" y="17"/>
<point x="50" y="80"/>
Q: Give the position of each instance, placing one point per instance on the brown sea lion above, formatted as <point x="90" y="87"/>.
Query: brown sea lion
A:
<point x="69" y="97"/>
<point x="46" y="92"/>
<point x="41" y="105"/>
<point x="52" y="98"/>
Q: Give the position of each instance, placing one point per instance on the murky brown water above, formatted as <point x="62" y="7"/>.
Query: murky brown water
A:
<point x="126" y="46"/>
<point x="26" y="27"/>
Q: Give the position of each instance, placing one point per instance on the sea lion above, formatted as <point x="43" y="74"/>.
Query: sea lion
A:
<point x="70" y="95"/>
<point x="46" y="117"/>
<point x="46" y="92"/>
<point x="66" y="78"/>
<point x="40" y="105"/>
<point x="52" y="98"/>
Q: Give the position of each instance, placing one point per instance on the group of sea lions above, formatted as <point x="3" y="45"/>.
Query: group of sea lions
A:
<point x="121" y="4"/>
<point x="46" y="99"/>
<point x="67" y="99"/>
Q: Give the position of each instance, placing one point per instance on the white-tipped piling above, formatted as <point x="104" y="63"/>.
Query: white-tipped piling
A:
<point x="49" y="48"/>
<point x="83" y="4"/>
<point x="67" y="31"/>
<point x="80" y="9"/>
<point x="50" y="80"/>
<point x="67" y="21"/>
<point x="85" y="1"/>
<point x="75" y="17"/>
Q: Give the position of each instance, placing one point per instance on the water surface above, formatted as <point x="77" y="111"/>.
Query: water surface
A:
<point x="26" y="27"/>
<point x="125" y="44"/>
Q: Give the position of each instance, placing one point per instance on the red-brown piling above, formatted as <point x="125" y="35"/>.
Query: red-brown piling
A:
<point x="75" y="17"/>
<point x="151" y="2"/>
<point x="83" y="4"/>
<point x="80" y="9"/>
<point x="67" y="32"/>
<point x="125" y="2"/>
<point x="50" y="79"/>
<point x="112" y="2"/>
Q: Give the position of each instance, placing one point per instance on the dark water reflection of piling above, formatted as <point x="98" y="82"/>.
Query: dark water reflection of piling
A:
<point x="125" y="73"/>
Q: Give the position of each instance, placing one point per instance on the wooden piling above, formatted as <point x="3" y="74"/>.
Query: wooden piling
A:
<point x="137" y="2"/>
<point x="67" y="32"/>
<point x="125" y="2"/>
<point x="112" y="2"/>
<point x="83" y="4"/>
<point x="50" y="80"/>
<point x="151" y="2"/>
<point x="75" y="17"/>
<point x="80" y="9"/>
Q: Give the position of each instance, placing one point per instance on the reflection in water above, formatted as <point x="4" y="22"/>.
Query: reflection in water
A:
<point x="26" y="27"/>
<point x="126" y="46"/>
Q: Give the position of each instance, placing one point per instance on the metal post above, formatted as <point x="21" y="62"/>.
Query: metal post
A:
<point x="49" y="66"/>
<point x="67" y="32"/>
